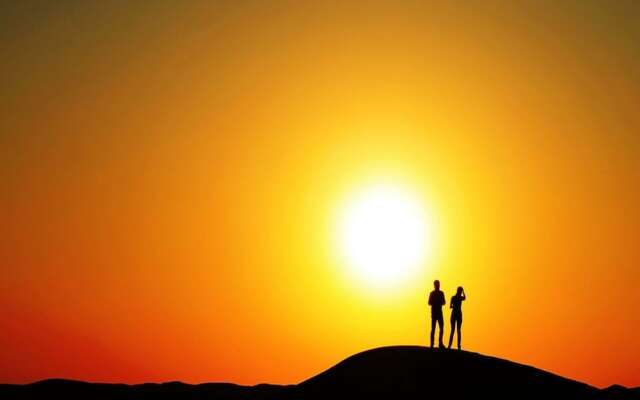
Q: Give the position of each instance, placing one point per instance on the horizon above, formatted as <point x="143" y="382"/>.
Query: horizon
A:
<point x="340" y="363"/>
<point x="252" y="192"/>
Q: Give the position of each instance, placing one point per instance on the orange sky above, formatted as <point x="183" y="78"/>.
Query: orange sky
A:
<point x="171" y="174"/>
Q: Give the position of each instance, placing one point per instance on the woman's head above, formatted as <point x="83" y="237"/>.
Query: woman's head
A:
<point x="459" y="292"/>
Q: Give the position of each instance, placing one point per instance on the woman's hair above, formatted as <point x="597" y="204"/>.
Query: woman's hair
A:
<point x="459" y="292"/>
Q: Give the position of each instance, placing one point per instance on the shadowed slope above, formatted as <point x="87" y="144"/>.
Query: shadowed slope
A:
<point x="400" y="372"/>
<point x="412" y="372"/>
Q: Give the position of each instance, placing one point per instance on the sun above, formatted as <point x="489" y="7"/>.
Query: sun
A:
<point x="384" y="234"/>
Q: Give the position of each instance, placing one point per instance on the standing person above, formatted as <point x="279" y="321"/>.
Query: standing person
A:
<point x="436" y="301"/>
<point x="456" y="314"/>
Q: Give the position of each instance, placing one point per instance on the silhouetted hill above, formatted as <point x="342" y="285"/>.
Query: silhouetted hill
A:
<point x="407" y="372"/>
<point x="400" y="372"/>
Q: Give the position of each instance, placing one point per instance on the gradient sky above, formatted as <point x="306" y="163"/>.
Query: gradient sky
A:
<point x="171" y="170"/>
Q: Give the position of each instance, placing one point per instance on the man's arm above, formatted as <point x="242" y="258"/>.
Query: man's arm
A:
<point x="430" y="298"/>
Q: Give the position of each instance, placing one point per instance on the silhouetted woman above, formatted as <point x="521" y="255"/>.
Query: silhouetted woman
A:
<point x="456" y="314"/>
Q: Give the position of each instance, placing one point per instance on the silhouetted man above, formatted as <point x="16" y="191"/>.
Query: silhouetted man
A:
<point x="436" y="301"/>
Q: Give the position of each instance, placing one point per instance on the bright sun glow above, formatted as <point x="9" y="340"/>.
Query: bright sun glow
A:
<point x="384" y="234"/>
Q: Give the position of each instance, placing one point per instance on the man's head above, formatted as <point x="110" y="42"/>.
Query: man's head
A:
<point x="436" y="284"/>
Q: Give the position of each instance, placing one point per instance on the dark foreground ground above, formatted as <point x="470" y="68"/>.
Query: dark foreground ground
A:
<point x="401" y="372"/>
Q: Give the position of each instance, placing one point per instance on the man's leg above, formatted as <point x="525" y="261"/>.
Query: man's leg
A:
<point x="433" y="328"/>
<point x="441" y="325"/>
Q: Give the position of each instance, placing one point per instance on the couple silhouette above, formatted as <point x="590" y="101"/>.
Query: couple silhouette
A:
<point x="436" y="301"/>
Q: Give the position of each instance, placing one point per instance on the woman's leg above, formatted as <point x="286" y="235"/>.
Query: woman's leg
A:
<point x="459" y="323"/>
<point x="453" y="329"/>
